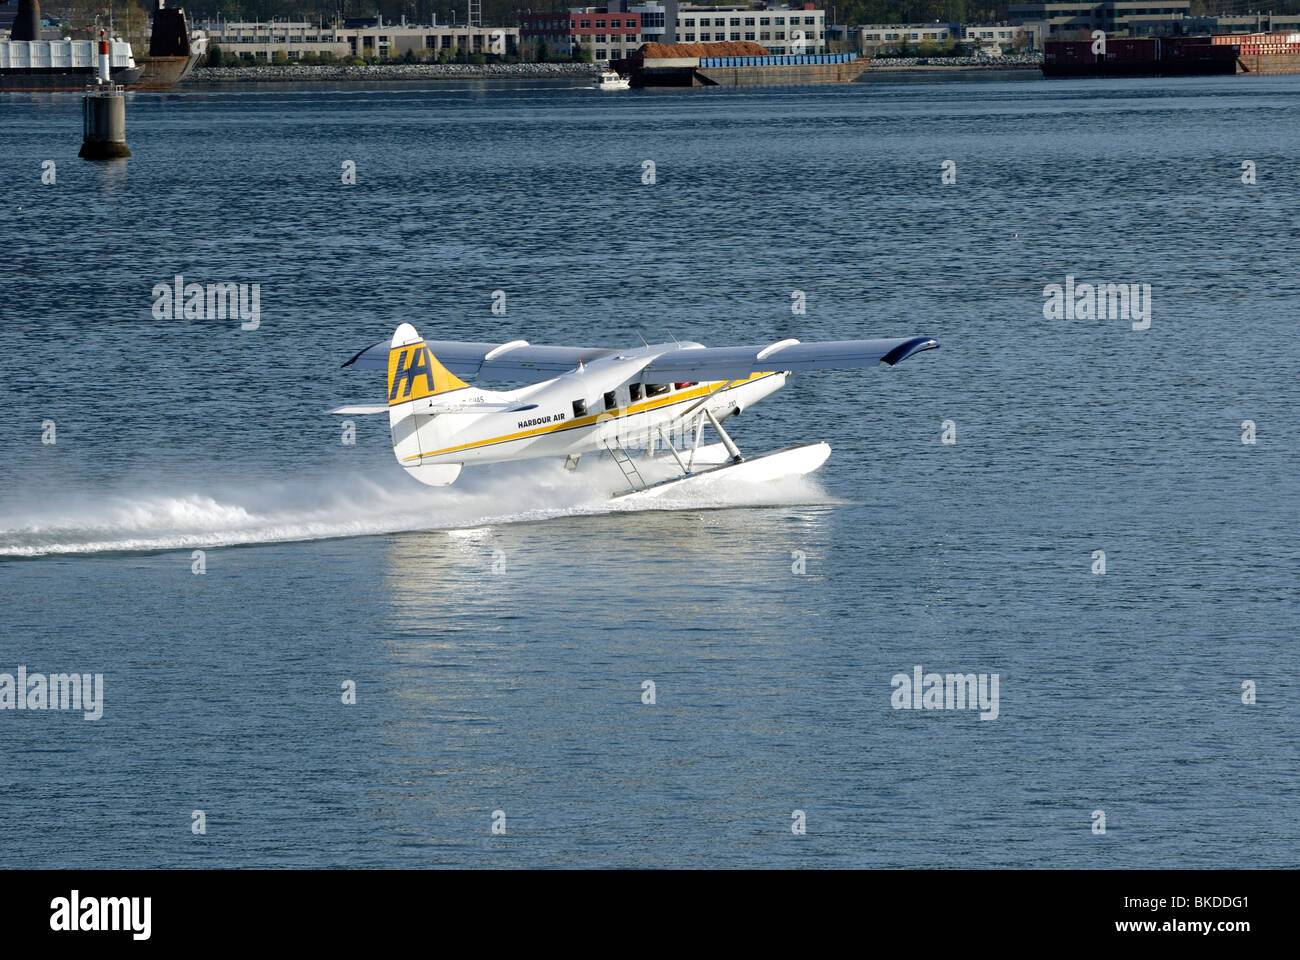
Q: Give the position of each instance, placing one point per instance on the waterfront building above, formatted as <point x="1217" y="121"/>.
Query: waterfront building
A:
<point x="370" y="37"/>
<point x="874" y="37"/>
<point x="657" y="18"/>
<point x="610" y="36"/>
<point x="1137" y="18"/>
<point x="1033" y="23"/>
<point x="1055" y="19"/>
<point x="782" y="28"/>
<point x="1003" y="35"/>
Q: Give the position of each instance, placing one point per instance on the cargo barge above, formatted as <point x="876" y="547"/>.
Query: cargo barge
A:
<point x="727" y="65"/>
<point x="44" y="65"/>
<point x="1264" y="53"/>
<point x="1215" y="55"/>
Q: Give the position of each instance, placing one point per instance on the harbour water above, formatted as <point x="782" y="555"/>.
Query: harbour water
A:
<point x="499" y="632"/>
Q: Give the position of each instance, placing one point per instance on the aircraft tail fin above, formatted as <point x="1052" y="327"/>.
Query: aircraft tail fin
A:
<point x="414" y="376"/>
<point x="413" y="371"/>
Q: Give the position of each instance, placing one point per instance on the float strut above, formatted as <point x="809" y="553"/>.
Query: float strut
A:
<point x="699" y="431"/>
<point x="676" y="456"/>
<point x="726" y="440"/>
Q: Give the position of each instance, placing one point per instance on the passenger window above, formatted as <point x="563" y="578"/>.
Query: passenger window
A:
<point x="634" y="391"/>
<point x="611" y="400"/>
<point x="656" y="389"/>
<point x="579" y="408"/>
<point x="683" y="386"/>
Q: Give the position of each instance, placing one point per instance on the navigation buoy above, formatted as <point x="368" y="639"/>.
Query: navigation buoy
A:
<point x="103" y="112"/>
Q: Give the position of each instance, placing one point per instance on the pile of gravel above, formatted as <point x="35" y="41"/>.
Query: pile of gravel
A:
<point x="394" y="71"/>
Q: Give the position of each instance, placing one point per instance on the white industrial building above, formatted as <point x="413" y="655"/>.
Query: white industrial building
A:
<point x="782" y="29"/>
<point x="296" y="39"/>
<point x="874" y="37"/>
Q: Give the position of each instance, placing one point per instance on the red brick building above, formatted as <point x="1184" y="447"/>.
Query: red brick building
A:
<point x="610" y="36"/>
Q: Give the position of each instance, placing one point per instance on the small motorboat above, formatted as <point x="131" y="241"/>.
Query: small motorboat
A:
<point x="610" y="80"/>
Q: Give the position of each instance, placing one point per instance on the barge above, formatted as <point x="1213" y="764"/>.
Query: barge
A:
<point x="726" y="65"/>
<point x="1219" y="54"/>
<point x="1264" y="53"/>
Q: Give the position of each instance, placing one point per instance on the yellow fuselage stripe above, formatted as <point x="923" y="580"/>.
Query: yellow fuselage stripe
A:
<point x="606" y="414"/>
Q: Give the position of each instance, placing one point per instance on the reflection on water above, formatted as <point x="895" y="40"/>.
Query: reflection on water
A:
<point x="516" y="657"/>
<point x="656" y="569"/>
<point x="110" y="176"/>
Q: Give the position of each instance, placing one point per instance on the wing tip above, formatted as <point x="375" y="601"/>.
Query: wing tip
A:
<point x="357" y="356"/>
<point x="909" y="348"/>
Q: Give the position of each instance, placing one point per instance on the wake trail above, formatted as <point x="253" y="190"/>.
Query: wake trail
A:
<point x="333" y="505"/>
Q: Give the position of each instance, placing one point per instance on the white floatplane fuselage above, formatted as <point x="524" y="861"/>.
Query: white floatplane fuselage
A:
<point x="656" y="396"/>
<point x="561" y="419"/>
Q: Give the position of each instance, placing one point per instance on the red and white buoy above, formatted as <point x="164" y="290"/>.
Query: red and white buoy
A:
<point x="103" y="113"/>
<point x="105" y="65"/>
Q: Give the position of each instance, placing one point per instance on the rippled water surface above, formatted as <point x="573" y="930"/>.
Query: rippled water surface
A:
<point x="499" y="631"/>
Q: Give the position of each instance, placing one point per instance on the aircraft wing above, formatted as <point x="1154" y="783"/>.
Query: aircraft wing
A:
<point x="730" y="363"/>
<point x="435" y="408"/>
<point x="490" y="359"/>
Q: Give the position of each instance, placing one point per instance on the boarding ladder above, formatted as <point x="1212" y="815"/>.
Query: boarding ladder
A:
<point x="624" y="461"/>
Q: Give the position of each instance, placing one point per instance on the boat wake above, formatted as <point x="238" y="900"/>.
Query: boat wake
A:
<point x="210" y="514"/>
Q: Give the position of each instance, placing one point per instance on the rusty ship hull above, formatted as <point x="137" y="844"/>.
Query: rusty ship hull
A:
<point x="160" y="73"/>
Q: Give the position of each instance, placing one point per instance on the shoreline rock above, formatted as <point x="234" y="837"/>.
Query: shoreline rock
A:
<point x="300" y="73"/>
<point x="304" y="73"/>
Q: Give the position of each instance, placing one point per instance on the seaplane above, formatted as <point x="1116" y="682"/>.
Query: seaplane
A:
<point x="625" y="404"/>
